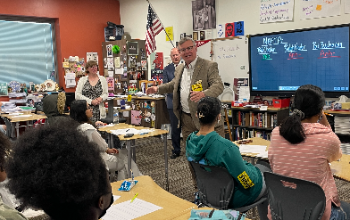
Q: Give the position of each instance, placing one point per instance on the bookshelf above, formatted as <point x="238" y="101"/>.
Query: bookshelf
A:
<point x="253" y="122"/>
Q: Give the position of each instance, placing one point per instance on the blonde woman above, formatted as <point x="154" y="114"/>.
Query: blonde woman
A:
<point x="93" y="89"/>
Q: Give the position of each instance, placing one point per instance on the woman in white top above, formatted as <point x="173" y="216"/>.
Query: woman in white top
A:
<point x="93" y="89"/>
<point x="115" y="160"/>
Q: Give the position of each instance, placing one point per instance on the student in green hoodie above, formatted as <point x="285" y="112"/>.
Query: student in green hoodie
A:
<point x="208" y="147"/>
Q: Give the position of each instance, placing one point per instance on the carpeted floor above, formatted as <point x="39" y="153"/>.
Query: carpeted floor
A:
<point x="150" y="159"/>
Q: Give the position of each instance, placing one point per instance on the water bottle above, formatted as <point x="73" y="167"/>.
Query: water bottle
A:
<point x="115" y="115"/>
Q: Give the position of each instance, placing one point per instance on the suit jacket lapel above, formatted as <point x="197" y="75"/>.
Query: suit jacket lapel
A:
<point x="197" y="69"/>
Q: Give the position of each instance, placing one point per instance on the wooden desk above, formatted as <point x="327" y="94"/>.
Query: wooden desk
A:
<point x="129" y="145"/>
<point x="17" y="119"/>
<point x="340" y="169"/>
<point x="173" y="207"/>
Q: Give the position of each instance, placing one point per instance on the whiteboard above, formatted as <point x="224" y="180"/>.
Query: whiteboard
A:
<point x="232" y="58"/>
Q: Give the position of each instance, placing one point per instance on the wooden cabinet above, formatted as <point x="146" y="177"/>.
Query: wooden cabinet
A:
<point x="253" y="122"/>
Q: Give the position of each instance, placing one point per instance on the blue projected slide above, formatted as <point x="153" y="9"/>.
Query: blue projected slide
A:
<point x="283" y="62"/>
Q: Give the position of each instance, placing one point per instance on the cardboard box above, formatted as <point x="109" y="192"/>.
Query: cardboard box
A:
<point x="281" y="103"/>
<point x="345" y="105"/>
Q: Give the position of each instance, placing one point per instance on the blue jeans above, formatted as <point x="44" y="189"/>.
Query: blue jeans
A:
<point x="340" y="213"/>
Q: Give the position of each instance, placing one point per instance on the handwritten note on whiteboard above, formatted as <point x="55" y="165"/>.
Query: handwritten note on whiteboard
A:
<point x="319" y="8"/>
<point x="276" y="10"/>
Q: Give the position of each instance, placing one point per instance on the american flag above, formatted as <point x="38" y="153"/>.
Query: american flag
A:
<point x="154" y="27"/>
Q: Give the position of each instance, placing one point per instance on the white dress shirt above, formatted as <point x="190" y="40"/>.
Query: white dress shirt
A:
<point x="185" y="86"/>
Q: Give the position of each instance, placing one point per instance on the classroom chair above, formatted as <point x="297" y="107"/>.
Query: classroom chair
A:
<point x="216" y="187"/>
<point x="292" y="198"/>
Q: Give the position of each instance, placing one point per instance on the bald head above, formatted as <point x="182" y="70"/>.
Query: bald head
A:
<point x="175" y="55"/>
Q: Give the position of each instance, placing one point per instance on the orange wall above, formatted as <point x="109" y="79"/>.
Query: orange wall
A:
<point x="79" y="25"/>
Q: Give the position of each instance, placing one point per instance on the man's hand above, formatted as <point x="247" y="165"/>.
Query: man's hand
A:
<point x="152" y="90"/>
<point x="196" y="96"/>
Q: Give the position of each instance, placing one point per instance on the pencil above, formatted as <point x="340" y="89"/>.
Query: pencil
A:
<point x="328" y="114"/>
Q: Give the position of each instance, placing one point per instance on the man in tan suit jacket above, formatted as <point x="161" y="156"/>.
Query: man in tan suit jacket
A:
<point x="196" y="72"/>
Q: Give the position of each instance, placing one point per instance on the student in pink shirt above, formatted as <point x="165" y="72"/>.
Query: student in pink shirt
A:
<point x="304" y="145"/>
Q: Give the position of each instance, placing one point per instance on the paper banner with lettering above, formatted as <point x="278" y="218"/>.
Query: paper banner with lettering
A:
<point x="201" y="42"/>
<point x="276" y="10"/>
<point x="170" y="33"/>
<point x="319" y="8"/>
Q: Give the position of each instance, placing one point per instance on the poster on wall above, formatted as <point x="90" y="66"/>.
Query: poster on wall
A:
<point x="276" y="10"/>
<point x="319" y="8"/>
<point x="156" y="65"/>
<point x="203" y="14"/>
<point x="110" y="83"/>
<point x="91" y="56"/>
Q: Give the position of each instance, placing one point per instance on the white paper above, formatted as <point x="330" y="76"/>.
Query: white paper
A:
<point x="70" y="80"/>
<point x="131" y="131"/>
<point x="119" y="71"/>
<point x="116" y="197"/>
<point x="220" y="31"/>
<point x="126" y="114"/>
<point x="246" y="148"/>
<point x="117" y="62"/>
<point x="130" y="210"/>
<point x="244" y="93"/>
<point x="110" y="73"/>
<point x="319" y="8"/>
<point x="276" y="10"/>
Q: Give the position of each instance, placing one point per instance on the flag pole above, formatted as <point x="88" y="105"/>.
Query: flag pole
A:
<point x="161" y="23"/>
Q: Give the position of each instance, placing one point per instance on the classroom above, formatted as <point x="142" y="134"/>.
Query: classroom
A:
<point x="104" y="43"/>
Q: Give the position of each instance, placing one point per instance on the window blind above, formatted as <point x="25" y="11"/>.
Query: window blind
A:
<point x="26" y="51"/>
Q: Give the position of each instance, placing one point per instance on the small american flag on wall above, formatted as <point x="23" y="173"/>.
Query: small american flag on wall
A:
<point x="154" y="27"/>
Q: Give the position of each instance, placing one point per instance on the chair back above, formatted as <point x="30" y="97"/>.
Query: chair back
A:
<point x="215" y="185"/>
<point x="292" y="198"/>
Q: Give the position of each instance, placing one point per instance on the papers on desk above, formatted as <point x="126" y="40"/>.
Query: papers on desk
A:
<point x="131" y="131"/>
<point x="130" y="210"/>
<point x="255" y="149"/>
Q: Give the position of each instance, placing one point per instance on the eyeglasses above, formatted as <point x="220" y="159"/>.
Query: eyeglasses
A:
<point x="183" y="50"/>
<point x="94" y="66"/>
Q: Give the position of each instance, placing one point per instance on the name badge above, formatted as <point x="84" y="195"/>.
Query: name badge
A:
<point x="198" y="86"/>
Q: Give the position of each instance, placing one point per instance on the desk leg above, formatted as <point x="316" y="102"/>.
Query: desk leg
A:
<point x="17" y="129"/>
<point x="164" y="136"/>
<point x="128" y="145"/>
<point x="110" y="140"/>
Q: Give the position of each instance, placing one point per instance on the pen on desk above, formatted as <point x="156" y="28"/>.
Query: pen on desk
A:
<point x="134" y="197"/>
<point x="127" y="130"/>
<point x="328" y="114"/>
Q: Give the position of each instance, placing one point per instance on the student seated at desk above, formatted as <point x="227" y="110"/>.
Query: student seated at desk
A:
<point x="2" y="127"/>
<point x="115" y="160"/>
<point x="53" y="107"/>
<point x="208" y="147"/>
<point x="57" y="169"/>
<point x="304" y="145"/>
<point x="6" y="211"/>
